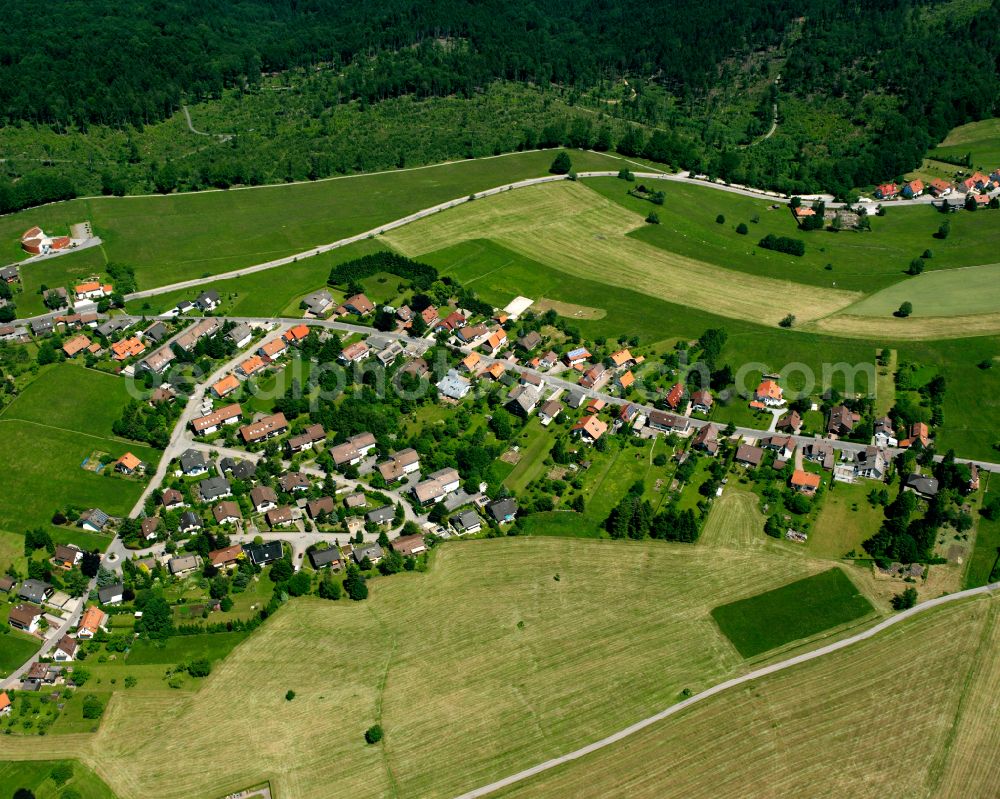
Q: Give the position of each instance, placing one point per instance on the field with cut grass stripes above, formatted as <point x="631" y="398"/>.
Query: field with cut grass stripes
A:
<point x="583" y="234"/>
<point x="908" y="714"/>
<point x="482" y="666"/>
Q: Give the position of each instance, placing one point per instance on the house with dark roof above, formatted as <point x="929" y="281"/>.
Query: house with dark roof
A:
<point x="214" y="488"/>
<point x="707" y="439"/>
<point x="371" y="551"/>
<point x="503" y="510"/>
<point x="190" y="522"/>
<point x="279" y="517"/>
<point x="183" y="564"/>
<point x="25" y="617"/>
<point x="208" y="300"/>
<point x="262" y="554"/>
<point x="93" y="519"/>
<point x="193" y="463"/>
<point x="293" y="481"/>
<point x="466" y="522"/>
<point x="227" y="512"/>
<point x="926" y="487"/>
<point x="36" y="591"/>
<point x="384" y="515"/>
<point x="321" y="558"/>
<point x="111" y="594"/>
<point x="171" y="499"/>
<point x="842" y="420"/>
<point x="530" y="341"/>
<point x="322" y="505"/>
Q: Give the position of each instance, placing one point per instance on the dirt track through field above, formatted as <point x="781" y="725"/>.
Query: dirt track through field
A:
<point x="579" y="232"/>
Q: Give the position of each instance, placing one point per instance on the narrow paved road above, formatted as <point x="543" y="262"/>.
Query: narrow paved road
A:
<point x="725" y="686"/>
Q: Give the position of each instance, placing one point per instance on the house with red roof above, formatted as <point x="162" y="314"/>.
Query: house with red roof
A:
<point x="675" y="396"/>
<point x="913" y="189"/>
<point x="589" y="429"/>
<point x="939" y="187"/>
<point x="767" y="395"/>
<point x="805" y="482"/>
<point x="887" y="191"/>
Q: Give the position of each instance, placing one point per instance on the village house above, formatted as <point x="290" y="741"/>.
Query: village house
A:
<point x="409" y="545"/>
<point x="494" y="370"/>
<point x="883" y="433"/>
<point x="470" y="361"/>
<point x="359" y="304"/>
<point x="805" y="482"/>
<point x="264" y="553"/>
<point x="76" y="345"/>
<point x="273" y="349"/>
<point x="199" y="330"/>
<point x="842" y="421"/>
<point x="227" y="512"/>
<point x="150" y="527"/>
<point x="352" y="451"/>
<point x="589" y="429"/>
<point x="922" y="485"/>
<point x="820" y="452"/>
<point x="65" y="650"/>
<point x="628" y="413"/>
<point x="497" y="341"/>
<point x="782" y="446"/>
<point x="193" y="463"/>
<point x="355" y="353"/>
<point x="522" y="400"/>
<point x="454" y="386"/>
<point x="872" y="463"/>
<point x="701" y="401"/>
<point x="92" y="621"/>
<point x="451" y="322"/>
<point x="263" y="429"/>
<point x="93" y="290"/>
<point x="400" y="464"/>
<point x="240" y="335"/>
<point x="913" y="189"/>
<point x="548" y="360"/>
<point x="190" y="522"/>
<point x="767" y="395"/>
<point x="437" y="486"/>
<point x="127" y="348"/>
<point x="128" y="464"/>
<point x="317" y="303"/>
<point x="296" y="334"/>
<point x="319" y="506"/>
<point x="388" y="354"/>
<point x="595" y="377"/>
<point x="214" y="488"/>
<point x="355" y="500"/>
<point x="675" y="396"/>
<point x="171" y="499"/>
<point x="263" y="498"/>
<point x="225" y="386"/>
<point x="113" y="594"/>
<point x="373" y="552"/>
<point x="158" y="361"/>
<point x="919" y="434"/>
<point x="749" y="456"/>
<point x="669" y="423"/>
<point x="791" y="422"/>
<point x="530" y="341"/>
<point x="939" y="187"/>
<point x="279" y="517"/>
<point x="25" y="617"/>
<point x="381" y="516"/>
<point x="67" y="556"/>
<point x="469" y="334"/>
<point x="207" y="425"/>
<point x="707" y="439"/>
<point x="322" y="558"/>
<point x="307" y="439"/>
<point x="93" y="519"/>
<point x="503" y="510"/>
<point x="466" y="523"/>
<point x="207" y="301"/>
<point x="549" y="411"/>
<point x="886" y="191"/>
<point x="577" y="356"/>
<point x="6" y="706"/>
<point x="294" y="481"/>
<point x="227" y="557"/>
<point x="250" y="367"/>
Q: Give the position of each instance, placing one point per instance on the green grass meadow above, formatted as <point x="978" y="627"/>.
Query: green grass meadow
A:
<point x="183" y="236"/>
<point x="956" y="292"/>
<point x="986" y="552"/>
<point x="793" y="611"/>
<point x="58" y="421"/>
<point x="36" y="776"/>
<point x="982" y="139"/>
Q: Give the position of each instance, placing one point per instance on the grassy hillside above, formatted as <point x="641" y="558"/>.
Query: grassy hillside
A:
<point x="57" y="422"/>
<point x="537" y="646"/>
<point x="178" y="237"/>
<point x="37" y="777"/>
<point x="919" y="700"/>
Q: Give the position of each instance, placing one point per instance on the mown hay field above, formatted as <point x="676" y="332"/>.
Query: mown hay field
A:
<point x="583" y="234"/>
<point x="735" y="521"/>
<point x="909" y="713"/>
<point x="482" y="666"/>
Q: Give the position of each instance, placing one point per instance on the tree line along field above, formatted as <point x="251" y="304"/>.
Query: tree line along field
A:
<point x="911" y="712"/>
<point x="539" y="646"/>
<point x="58" y="421"/>
<point x="169" y="238"/>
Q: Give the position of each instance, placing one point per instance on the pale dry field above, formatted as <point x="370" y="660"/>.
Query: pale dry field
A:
<point x="577" y="231"/>
<point x="735" y="521"/>
<point x="909" y="329"/>
<point x="910" y="713"/>
<point x="465" y="692"/>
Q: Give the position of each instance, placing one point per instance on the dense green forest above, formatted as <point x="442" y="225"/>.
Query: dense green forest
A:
<point x="861" y="90"/>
